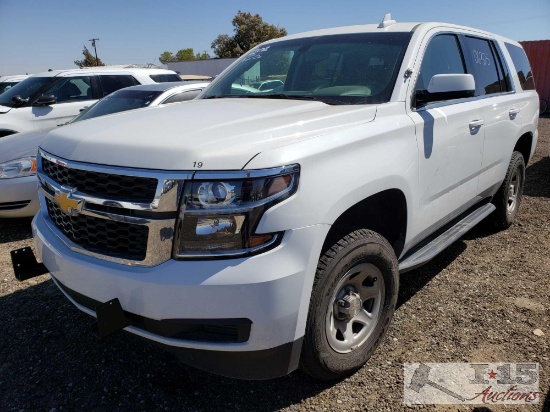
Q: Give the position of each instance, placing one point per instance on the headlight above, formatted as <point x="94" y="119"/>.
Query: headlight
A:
<point x="18" y="168"/>
<point x="220" y="213"/>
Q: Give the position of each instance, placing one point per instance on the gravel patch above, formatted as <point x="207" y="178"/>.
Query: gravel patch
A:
<point x="486" y="298"/>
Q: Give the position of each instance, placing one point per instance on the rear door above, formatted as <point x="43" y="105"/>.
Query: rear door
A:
<point x="449" y="137"/>
<point x="72" y="94"/>
<point x="502" y="109"/>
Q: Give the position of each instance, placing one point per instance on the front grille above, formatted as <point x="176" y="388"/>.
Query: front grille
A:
<point x="103" y="185"/>
<point x="107" y="237"/>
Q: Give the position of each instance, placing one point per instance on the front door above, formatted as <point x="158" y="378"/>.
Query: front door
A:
<point x="72" y="94"/>
<point x="449" y="137"/>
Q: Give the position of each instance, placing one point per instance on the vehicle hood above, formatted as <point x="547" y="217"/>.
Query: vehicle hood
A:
<point x="19" y="145"/>
<point x="4" y="109"/>
<point x="222" y="134"/>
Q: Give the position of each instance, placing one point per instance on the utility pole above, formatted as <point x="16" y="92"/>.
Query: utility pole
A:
<point x="95" y="50"/>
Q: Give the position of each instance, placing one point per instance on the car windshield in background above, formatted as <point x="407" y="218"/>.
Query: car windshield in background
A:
<point x="26" y="89"/>
<point x="165" y="78"/>
<point x="119" y="101"/>
<point x="5" y="86"/>
<point x="357" y="68"/>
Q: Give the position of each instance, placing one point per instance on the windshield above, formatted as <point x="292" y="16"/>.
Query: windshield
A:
<point x="357" y="68"/>
<point x="27" y="89"/>
<point x="6" y="86"/>
<point x="118" y="101"/>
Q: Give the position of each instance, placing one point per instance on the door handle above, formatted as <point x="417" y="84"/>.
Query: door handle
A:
<point x="474" y="124"/>
<point x="513" y="111"/>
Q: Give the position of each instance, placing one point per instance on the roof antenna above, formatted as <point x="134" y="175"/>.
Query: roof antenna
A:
<point x="387" y="21"/>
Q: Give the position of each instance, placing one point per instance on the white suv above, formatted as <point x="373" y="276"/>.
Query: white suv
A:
<point x="52" y="98"/>
<point x="255" y="232"/>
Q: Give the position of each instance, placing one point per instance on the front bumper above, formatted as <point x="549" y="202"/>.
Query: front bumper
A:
<point x="19" y="197"/>
<point x="272" y="290"/>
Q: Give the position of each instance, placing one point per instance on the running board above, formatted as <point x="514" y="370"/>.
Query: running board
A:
<point x="440" y="243"/>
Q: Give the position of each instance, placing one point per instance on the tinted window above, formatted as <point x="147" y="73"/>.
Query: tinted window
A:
<point x="485" y="66"/>
<point x="359" y="68"/>
<point x="119" y="102"/>
<point x="71" y="89"/>
<point x="6" y="86"/>
<point x="165" y="78"/>
<point x="112" y="83"/>
<point x="182" y="97"/>
<point x="522" y="66"/>
<point x="27" y="89"/>
<point x="442" y="56"/>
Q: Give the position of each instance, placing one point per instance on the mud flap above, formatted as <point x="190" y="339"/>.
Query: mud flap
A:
<point x="25" y="265"/>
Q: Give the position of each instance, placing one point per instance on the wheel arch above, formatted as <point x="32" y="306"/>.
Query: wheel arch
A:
<point x="384" y="212"/>
<point x="524" y="145"/>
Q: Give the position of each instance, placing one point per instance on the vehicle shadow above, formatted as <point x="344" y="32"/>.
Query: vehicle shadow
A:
<point x="537" y="179"/>
<point x="49" y="358"/>
<point x="12" y="230"/>
<point x="410" y="283"/>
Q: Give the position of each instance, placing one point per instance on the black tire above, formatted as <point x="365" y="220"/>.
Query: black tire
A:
<point x="360" y="248"/>
<point x="505" y="214"/>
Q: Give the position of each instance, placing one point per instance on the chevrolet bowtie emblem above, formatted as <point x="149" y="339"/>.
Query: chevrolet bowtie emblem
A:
<point x="66" y="202"/>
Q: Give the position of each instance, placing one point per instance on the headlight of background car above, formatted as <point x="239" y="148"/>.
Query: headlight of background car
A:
<point x="219" y="216"/>
<point x="18" y="168"/>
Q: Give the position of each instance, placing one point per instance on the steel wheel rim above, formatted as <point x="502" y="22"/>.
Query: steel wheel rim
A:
<point x="513" y="191"/>
<point x="346" y="335"/>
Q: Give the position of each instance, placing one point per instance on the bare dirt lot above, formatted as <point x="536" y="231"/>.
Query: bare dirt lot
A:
<point x="480" y="300"/>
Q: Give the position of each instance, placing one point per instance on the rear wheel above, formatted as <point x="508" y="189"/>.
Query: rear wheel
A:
<point x="353" y="300"/>
<point x="508" y="198"/>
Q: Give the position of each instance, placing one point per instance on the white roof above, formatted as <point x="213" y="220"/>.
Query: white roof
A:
<point x="70" y="72"/>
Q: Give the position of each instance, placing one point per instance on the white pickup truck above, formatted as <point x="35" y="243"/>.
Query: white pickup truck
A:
<point x="252" y="231"/>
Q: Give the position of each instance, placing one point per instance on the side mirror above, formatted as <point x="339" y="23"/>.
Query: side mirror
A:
<point x="46" y="100"/>
<point x="18" y="101"/>
<point x="446" y="87"/>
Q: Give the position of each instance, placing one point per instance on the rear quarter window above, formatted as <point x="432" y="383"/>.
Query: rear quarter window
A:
<point x="523" y="68"/>
<point x="165" y="78"/>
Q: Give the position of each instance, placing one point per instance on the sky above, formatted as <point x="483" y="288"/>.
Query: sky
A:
<point x="37" y="35"/>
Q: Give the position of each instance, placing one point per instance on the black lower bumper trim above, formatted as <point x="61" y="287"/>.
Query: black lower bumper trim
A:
<point x="261" y="364"/>
<point x="252" y="365"/>
<point x="224" y="330"/>
<point x="25" y="265"/>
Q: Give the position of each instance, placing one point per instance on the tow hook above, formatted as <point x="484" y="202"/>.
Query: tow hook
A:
<point x="110" y="319"/>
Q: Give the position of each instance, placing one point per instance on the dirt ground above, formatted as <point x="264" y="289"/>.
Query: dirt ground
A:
<point x="480" y="300"/>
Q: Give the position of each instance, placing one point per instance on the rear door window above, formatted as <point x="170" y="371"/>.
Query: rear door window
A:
<point x="112" y="83"/>
<point x="523" y="69"/>
<point x="484" y="64"/>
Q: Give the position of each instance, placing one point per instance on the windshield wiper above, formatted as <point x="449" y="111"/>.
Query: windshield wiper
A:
<point x="219" y="96"/>
<point x="278" y="96"/>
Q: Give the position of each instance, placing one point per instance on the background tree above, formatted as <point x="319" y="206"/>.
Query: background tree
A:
<point x="89" y="60"/>
<point x="185" y="54"/>
<point x="182" y="55"/>
<point x="202" y="56"/>
<point x="166" y="57"/>
<point x="250" y="30"/>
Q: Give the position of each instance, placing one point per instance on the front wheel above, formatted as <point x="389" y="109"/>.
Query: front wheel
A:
<point x="353" y="300"/>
